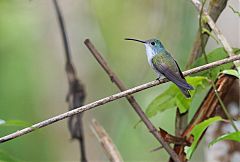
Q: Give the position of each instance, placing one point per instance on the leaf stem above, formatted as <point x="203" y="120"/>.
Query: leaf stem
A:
<point x="224" y="108"/>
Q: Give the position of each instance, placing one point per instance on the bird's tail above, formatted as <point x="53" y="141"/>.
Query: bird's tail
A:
<point x="185" y="92"/>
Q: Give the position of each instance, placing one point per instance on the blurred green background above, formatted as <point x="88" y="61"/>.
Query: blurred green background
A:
<point x="33" y="83"/>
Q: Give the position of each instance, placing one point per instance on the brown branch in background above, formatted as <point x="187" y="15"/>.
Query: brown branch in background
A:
<point x="220" y="128"/>
<point x="130" y="99"/>
<point x="76" y="94"/>
<point x="206" y="110"/>
<point x="173" y="139"/>
<point x="210" y="103"/>
<point x="227" y="48"/>
<point x="214" y="10"/>
<point x="181" y="121"/>
<point x="106" y="142"/>
<point x="111" y="98"/>
<point x="215" y="29"/>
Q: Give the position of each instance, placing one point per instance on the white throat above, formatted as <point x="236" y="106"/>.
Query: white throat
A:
<point x="149" y="52"/>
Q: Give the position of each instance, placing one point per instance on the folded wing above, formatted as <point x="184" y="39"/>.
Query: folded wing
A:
<point x="178" y="79"/>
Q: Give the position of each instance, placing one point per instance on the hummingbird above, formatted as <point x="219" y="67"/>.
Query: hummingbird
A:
<point x="162" y="62"/>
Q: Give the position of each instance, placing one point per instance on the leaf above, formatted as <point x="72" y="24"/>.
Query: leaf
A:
<point x="19" y="123"/>
<point x="173" y="97"/>
<point x="160" y="103"/>
<point x="197" y="132"/>
<point x="6" y="157"/>
<point x="232" y="72"/>
<point x="205" y="30"/>
<point x="216" y="54"/>
<point x="235" y="136"/>
<point x="2" y="121"/>
<point x="238" y="69"/>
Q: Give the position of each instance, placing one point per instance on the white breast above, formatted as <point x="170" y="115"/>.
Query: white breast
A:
<point x="150" y="54"/>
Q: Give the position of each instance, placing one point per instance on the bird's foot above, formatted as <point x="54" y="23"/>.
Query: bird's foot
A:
<point x="159" y="78"/>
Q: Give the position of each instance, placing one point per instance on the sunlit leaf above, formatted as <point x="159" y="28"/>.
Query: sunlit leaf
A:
<point x="205" y="30"/>
<point x="162" y="102"/>
<point x="6" y="157"/>
<point x="238" y="69"/>
<point x="2" y="121"/>
<point x="231" y="72"/>
<point x="197" y="132"/>
<point x="19" y="123"/>
<point x="235" y="136"/>
<point x="173" y="97"/>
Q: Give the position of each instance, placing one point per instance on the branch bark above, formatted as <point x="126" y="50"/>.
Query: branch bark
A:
<point x="106" y="142"/>
<point x="110" y="99"/>
<point x="76" y="94"/>
<point x="114" y="78"/>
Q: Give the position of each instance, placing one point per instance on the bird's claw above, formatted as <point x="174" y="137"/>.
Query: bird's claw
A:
<point x="158" y="78"/>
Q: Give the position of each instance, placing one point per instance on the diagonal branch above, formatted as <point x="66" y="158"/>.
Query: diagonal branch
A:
<point x="214" y="10"/>
<point x="110" y="99"/>
<point x="114" y="78"/>
<point x="76" y="94"/>
<point x="216" y="31"/>
<point x="106" y="142"/>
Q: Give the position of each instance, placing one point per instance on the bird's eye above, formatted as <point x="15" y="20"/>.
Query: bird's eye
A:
<point x="153" y="43"/>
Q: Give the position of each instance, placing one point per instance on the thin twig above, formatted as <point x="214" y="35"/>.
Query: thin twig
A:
<point x="111" y="98"/>
<point x="63" y="31"/>
<point x="76" y="94"/>
<point x="224" y="108"/>
<point x="234" y="11"/>
<point x="106" y="142"/>
<point x="214" y="10"/>
<point x="114" y="78"/>
<point x="216" y="31"/>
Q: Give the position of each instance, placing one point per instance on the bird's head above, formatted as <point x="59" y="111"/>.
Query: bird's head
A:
<point x="153" y="46"/>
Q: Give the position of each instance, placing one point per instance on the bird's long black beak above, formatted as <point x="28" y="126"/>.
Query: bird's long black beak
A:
<point x="135" y="40"/>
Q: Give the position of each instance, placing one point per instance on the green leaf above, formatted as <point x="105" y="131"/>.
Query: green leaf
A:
<point x="216" y="54"/>
<point x="182" y="102"/>
<point x="205" y="30"/>
<point x="173" y="97"/>
<point x="19" y="123"/>
<point x="2" y="121"/>
<point x="197" y="132"/>
<point x="235" y="136"/>
<point x="162" y="102"/>
<point x="6" y="157"/>
<point x="238" y="69"/>
<point x="232" y="72"/>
